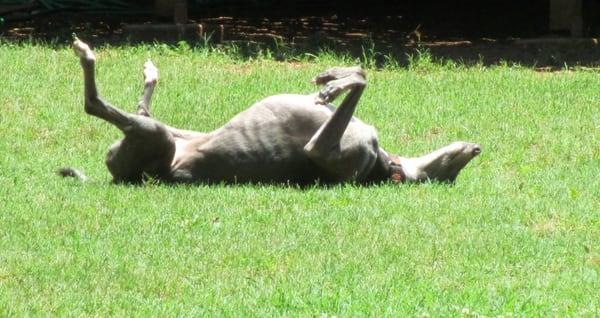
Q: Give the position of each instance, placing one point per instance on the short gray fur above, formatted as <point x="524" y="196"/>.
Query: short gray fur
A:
<point x="299" y="139"/>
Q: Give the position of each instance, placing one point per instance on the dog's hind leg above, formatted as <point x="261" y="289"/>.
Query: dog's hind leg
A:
<point x="150" y="80"/>
<point x="346" y="154"/>
<point x="148" y="147"/>
<point x="93" y="104"/>
<point x="143" y="108"/>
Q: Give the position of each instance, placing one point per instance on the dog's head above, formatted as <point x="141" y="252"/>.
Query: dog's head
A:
<point x="454" y="158"/>
<point x="442" y="165"/>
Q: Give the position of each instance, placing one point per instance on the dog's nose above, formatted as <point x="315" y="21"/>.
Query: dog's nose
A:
<point x="476" y="150"/>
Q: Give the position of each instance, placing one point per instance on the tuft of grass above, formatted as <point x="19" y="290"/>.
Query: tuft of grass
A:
<point x="518" y="234"/>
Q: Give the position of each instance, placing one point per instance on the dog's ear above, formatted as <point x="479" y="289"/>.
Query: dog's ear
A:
<point x="72" y="173"/>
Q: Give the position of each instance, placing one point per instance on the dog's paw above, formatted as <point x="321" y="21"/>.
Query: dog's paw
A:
<point x="150" y="73"/>
<point x="83" y="50"/>
<point x="329" y="92"/>
<point x="336" y="73"/>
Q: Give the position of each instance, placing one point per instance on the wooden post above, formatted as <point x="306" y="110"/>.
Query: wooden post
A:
<point x="180" y="14"/>
<point x="567" y="15"/>
<point x="163" y="8"/>
<point x="169" y="8"/>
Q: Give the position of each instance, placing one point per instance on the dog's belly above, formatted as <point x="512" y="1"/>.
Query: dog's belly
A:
<point x="250" y="158"/>
<point x="262" y="144"/>
<point x="265" y="143"/>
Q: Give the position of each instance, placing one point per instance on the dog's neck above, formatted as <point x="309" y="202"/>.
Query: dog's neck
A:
<point x="397" y="174"/>
<point x="393" y="169"/>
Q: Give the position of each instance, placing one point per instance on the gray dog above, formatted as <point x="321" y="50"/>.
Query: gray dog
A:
<point x="299" y="139"/>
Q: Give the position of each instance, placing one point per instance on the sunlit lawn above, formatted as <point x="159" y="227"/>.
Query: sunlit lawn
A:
<point x="519" y="233"/>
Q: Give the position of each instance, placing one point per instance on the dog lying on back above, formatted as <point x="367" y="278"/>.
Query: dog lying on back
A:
<point x="299" y="139"/>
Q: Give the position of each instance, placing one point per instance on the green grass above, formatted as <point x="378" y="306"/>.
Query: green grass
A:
<point x="519" y="233"/>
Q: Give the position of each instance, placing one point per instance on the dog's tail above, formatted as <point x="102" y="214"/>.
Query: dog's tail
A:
<point x="73" y="173"/>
